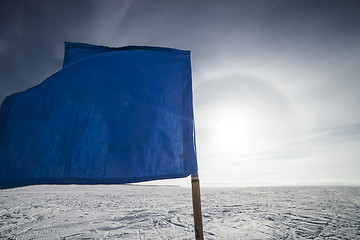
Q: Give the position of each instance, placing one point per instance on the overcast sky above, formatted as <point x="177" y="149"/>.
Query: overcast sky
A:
<point x="276" y="83"/>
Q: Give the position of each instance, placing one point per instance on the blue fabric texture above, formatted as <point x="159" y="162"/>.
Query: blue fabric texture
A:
<point x="110" y="115"/>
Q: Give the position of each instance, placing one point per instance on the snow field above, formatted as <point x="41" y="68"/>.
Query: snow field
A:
<point x="154" y="212"/>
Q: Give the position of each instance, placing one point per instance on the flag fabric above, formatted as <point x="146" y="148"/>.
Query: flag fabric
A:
<point x="110" y="115"/>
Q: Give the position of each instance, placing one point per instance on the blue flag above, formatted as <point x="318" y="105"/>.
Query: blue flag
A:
<point x="110" y="115"/>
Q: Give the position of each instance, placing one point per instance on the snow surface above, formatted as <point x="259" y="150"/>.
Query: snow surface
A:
<point x="152" y="212"/>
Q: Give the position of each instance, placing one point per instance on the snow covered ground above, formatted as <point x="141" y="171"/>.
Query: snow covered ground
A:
<point x="152" y="212"/>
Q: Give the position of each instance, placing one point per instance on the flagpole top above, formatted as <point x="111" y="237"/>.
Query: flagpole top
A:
<point x="195" y="174"/>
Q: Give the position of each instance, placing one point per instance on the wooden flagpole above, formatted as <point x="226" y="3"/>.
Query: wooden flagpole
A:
<point x="195" y="186"/>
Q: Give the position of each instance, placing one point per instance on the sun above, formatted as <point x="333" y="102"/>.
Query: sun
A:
<point x="229" y="133"/>
<point x="236" y="130"/>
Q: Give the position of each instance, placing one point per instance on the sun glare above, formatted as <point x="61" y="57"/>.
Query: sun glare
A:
<point x="235" y="131"/>
<point x="230" y="135"/>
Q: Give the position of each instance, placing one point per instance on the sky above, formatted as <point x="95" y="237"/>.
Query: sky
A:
<point x="275" y="83"/>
